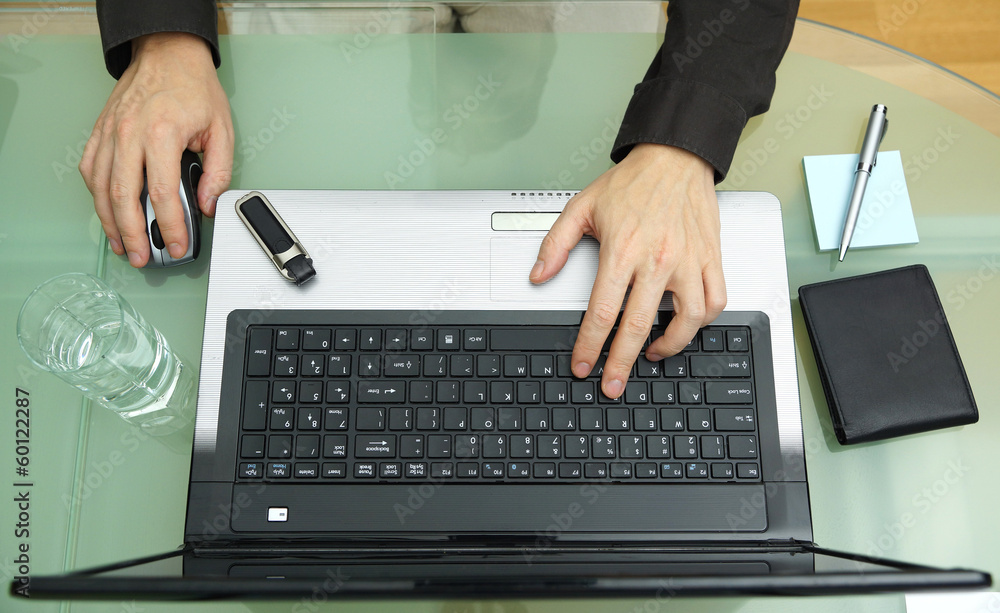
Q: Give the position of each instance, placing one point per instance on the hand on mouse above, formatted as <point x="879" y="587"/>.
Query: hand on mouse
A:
<point x="657" y="219"/>
<point x="168" y="99"/>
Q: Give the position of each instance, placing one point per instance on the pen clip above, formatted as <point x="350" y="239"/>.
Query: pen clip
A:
<point x="878" y="147"/>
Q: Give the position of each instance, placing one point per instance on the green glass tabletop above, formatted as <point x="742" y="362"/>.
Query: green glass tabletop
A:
<point x="410" y="105"/>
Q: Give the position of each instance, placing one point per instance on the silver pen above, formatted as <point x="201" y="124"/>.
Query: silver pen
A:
<point x="878" y="123"/>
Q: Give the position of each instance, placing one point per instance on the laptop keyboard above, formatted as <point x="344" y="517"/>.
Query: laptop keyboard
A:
<point x="489" y="403"/>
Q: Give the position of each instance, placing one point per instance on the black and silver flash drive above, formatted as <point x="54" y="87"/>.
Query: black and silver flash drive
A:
<point x="275" y="238"/>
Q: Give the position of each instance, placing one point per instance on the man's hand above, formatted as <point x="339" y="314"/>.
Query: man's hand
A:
<point x="168" y="99"/>
<point x="657" y="219"/>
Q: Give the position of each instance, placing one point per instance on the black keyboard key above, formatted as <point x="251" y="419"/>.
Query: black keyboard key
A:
<point x="671" y="419"/>
<point x="282" y="418"/>
<point x="671" y="470"/>
<point x="283" y="391"/>
<point x="421" y="392"/>
<point x="312" y="365"/>
<point x="475" y="339"/>
<point x="542" y="366"/>
<point x="435" y="366"/>
<point x="369" y="366"/>
<point x="316" y="340"/>
<point x="746" y="470"/>
<point x="335" y="446"/>
<point x="685" y="446"/>
<point x="720" y="366"/>
<point x="582" y="392"/>
<point x="252" y="446"/>
<point x="345" y="340"/>
<point x="495" y="446"/>
<point x="474" y="392"/>
<point x="255" y="405"/>
<point x="602" y="446"/>
<point x="416" y="470"/>
<point x="533" y="338"/>
<point x="636" y="392"/>
<point x="279" y="446"/>
<point x="482" y="419"/>
<point x="338" y="365"/>
<point x="728" y="420"/>
<point x="279" y="470"/>
<point x="629" y="446"/>
<point x="556" y="392"/>
<point x="663" y="392"/>
<point x="742" y="447"/>
<point x="375" y="446"/>
<point x="595" y="470"/>
<point x="515" y="366"/>
<point x="621" y="470"/>
<point x="446" y="391"/>
<point x="696" y="470"/>
<point x="309" y="419"/>
<point x="307" y="446"/>
<point x="563" y="418"/>
<point x="338" y="392"/>
<point x="411" y="446"/>
<point x="576" y="445"/>
<point x="619" y="420"/>
<point x="646" y="470"/>
<point x="509" y="418"/>
<point x="544" y="470"/>
<point x="592" y="419"/>
<point x="462" y="365"/>
<point x="421" y="340"/>
<point x="536" y="419"/>
<point x="456" y="418"/>
<point x="467" y="470"/>
<point x="286" y="365"/>
<point x="377" y="392"/>
<point x="364" y="470"/>
<point x="306" y="470"/>
<point x="487" y="366"/>
<point x="311" y="392"/>
<point x="737" y="340"/>
<point x="502" y="392"/>
<point x="334" y="470"/>
<point x="400" y="418"/>
<point x="518" y="470"/>
<point x="259" y="352"/>
<point x="395" y="340"/>
<point x="713" y="340"/>
<point x="335" y="419"/>
<point x="370" y="419"/>
<point x="699" y="419"/>
<point x="564" y="365"/>
<point x="251" y="470"/>
<point x="646" y="369"/>
<point x="467" y="445"/>
<point x="689" y="392"/>
<point x="442" y="470"/>
<point x="370" y="339"/>
<point x="439" y="446"/>
<point x="493" y="470"/>
<point x="644" y="419"/>
<point x="428" y="418"/>
<point x="402" y="365"/>
<point x="570" y="470"/>
<point x="657" y="446"/>
<point x="728" y="392"/>
<point x="713" y="447"/>
<point x="390" y="470"/>
<point x="548" y="445"/>
<point x="522" y="445"/>
<point x="722" y="470"/>
<point x="449" y="339"/>
<point x="675" y="366"/>
<point x="529" y="392"/>
<point x="286" y="339"/>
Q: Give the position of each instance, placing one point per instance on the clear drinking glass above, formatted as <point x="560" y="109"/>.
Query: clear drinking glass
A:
<point x="80" y="329"/>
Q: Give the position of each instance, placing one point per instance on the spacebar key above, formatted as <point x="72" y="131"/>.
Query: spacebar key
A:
<point x="533" y="339"/>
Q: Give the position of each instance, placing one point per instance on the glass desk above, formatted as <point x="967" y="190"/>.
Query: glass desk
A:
<point x="332" y="109"/>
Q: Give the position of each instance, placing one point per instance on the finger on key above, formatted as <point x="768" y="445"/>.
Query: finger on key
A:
<point x="602" y="312"/>
<point x="633" y="331"/>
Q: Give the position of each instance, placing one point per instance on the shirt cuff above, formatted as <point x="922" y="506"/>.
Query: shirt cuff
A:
<point x="687" y="114"/>
<point x="118" y="30"/>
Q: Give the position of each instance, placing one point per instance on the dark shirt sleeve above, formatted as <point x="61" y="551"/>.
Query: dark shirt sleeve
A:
<point x="714" y="71"/>
<point x="124" y="20"/>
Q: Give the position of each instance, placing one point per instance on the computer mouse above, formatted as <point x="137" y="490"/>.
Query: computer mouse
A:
<point x="159" y="257"/>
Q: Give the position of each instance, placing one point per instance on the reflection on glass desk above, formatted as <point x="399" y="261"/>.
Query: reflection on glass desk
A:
<point x="102" y="494"/>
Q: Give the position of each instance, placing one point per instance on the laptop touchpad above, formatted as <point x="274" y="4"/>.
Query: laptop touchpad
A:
<point x="511" y="260"/>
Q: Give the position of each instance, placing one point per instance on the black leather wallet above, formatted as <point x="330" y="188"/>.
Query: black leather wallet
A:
<point x="886" y="356"/>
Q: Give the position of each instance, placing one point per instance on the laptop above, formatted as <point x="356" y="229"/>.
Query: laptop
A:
<point x="404" y="424"/>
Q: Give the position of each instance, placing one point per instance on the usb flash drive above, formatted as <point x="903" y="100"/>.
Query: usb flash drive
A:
<point x="275" y="238"/>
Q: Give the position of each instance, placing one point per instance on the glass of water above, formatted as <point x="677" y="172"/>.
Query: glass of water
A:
<point x="83" y="331"/>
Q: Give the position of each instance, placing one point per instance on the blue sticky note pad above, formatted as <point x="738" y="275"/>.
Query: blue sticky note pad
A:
<point x="886" y="217"/>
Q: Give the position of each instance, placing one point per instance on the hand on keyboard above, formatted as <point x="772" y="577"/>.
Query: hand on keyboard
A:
<point x="657" y="219"/>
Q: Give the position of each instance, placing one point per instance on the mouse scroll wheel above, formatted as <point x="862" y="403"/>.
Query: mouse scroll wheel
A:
<point x="154" y="234"/>
<point x="195" y="176"/>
